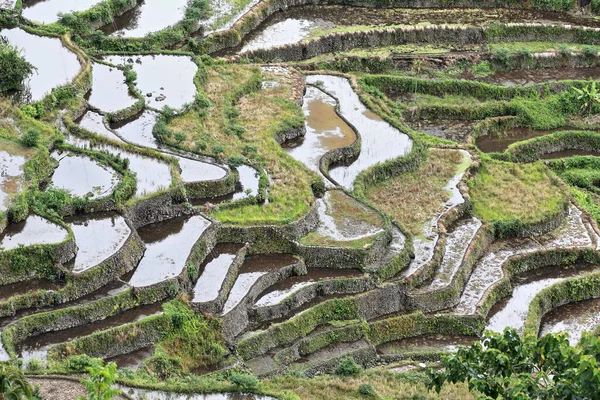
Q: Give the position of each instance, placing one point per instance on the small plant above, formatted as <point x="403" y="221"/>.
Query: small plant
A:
<point x="590" y="51"/>
<point x="481" y="69"/>
<point x="34" y="365"/>
<point x="524" y="52"/>
<point x="588" y="97"/>
<point x="348" y="367"/>
<point x="218" y="149"/>
<point x="564" y="50"/>
<point x="501" y="55"/>
<point x="80" y="363"/>
<point x="13" y="384"/>
<point x="99" y="385"/>
<point x="367" y="390"/>
<point x="31" y="137"/>
<point x="244" y="381"/>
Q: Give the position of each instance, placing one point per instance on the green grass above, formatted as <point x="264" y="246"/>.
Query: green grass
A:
<point x="539" y="47"/>
<point x="318" y="32"/>
<point x="415" y="197"/>
<point x="504" y="192"/>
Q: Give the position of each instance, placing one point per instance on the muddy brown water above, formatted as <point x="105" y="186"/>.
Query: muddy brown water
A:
<point x="98" y="236"/>
<point x="168" y="79"/>
<point x="325" y="130"/>
<point x="56" y="65"/>
<point x="37" y="347"/>
<point x="253" y="268"/>
<point x="213" y="272"/>
<point x="109" y="92"/>
<point x="283" y="289"/>
<point x="500" y="142"/>
<point x="426" y="343"/>
<point x="81" y="176"/>
<point x="569" y="153"/>
<point x="380" y="141"/>
<point x="46" y="11"/>
<point x="528" y="76"/>
<point x="134" y="359"/>
<point x="512" y="311"/>
<point x="457" y="131"/>
<point x="7" y="291"/>
<point x="148" y="16"/>
<point x="573" y="318"/>
<point x="34" y="230"/>
<point x="168" y="245"/>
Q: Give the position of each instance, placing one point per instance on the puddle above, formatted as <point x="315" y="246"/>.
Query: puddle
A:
<point x="138" y="130"/>
<point x="569" y="153"/>
<point x="426" y="343"/>
<point x="571" y="233"/>
<point x="500" y="142"/>
<point x="457" y="242"/>
<point x="152" y="175"/>
<point x="214" y="270"/>
<point x="164" y="80"/>
<point x="344" y="219"/>
<point x="148" y="16"/>
<point x="527" y="76"/>
<point x="94" y="122"/>
<point x="140" y="394"/>
<point x="134" y="359"/>
<point x="168" y="245"/>
<point x="325" y="131"/>
<point x="11" y="170"/>
<point x="249" y="181"/>
<point x="46" y="11"/>
<point x="82" y="176"/>
<point x="34" y="230"/>
<point x="281" y="290"/>
<point x="98" y="236"/>
<point x="7" y="291"/>
<point x="380" y="140"/>
<point x="573" y="318"/>
<point x="56" y="65"/>
<point x="253" y="268"/>
<point x="109" y="92"/>
<point x="37" y="347"/>
<point x="512" y="312"/>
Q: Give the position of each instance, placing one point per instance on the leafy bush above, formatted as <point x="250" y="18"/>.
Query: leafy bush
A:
<point x="13" y="384"/>
<point x="501" y="55"/>
<point x="14" y="69"/>
<point x="99" y="385"/>
<point x="244" y="381"/>
<point x="348" y="367"/>
<point x="504" y="365"/>
<point x="595" y="6"/>
<point x="80" y="363"/>
<point x="31" y="137"/>
<point x="367" y="390"/>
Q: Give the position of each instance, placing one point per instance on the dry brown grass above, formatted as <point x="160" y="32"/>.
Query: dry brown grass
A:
<point x="415" y="197"/>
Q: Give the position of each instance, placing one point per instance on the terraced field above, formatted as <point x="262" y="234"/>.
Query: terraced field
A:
<point x="229" y="199"/>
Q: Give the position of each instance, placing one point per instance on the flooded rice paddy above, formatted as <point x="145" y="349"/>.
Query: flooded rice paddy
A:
<point x="47" y="11"/>
<point x="34" y="230"/>
<point x="574" y="319"/>
<point x="11" y="171"/>
<point x="529" y="76"/>
<point x="213" y="272"/>
<point x="55" y="64"/>
<point x="109" y="92"/>
<point x="168" y="245"/>
<point x="425" y="343"/>
<point x="147" y="17"/>
<point x="499" y="142"/>
<point x="82" y="176"/>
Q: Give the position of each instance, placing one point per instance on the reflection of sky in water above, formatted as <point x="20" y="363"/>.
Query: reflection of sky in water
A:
<point x="46" y="11"/>
<point x="284" y="32"/>
<point x="149" y="16"/>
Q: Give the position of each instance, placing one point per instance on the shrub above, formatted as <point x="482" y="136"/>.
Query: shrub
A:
<point x="348" y="367"/>
<point x="501" y="55"/>
<point x="13" y="384"/>
<point x="31" y="137"/>
<point x="80" y="363"/>
<point x="589" y="51"/>
<point x="99" y="384"/>
<point x="244" y="381"/>
<point x="235" y="161"/>
<point x="14" y="69"/>
<point x="595" y="6"/>
<point x="367" y="390"/>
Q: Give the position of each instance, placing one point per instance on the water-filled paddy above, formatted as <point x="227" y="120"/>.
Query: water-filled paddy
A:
<point x="47" y="11"/>
<point x="34" y="230"/>
<point x="213" y="272"/>
<point x="11" y="170"/>
<point x="55" y="64"/>
<point x="573" y="318"/>
<point x="82" y="176"/>
<point x="109" y="92"/>
<point x="148" y="16"/>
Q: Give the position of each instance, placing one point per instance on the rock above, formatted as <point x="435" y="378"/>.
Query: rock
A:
<point x="160" y="97"/>
<point x="148" y="94"/>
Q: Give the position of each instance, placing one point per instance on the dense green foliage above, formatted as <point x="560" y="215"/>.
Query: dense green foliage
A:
<point x="504" y="365"/>
<point x="99" y="384"/>
<point x="13" y="385"/>
<point x="14" y="69"/>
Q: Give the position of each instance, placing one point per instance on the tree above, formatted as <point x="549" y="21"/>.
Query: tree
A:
<point x="515" y="368"/>
<point x="99" y="385"/>
<point x="14" y="69"/>
<point x="13" y="385"/>
<point x="588" y="97"/>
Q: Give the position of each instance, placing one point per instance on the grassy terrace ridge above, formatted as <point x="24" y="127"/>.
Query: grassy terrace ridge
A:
<point x="259" y="116"/>
<point x="493" y="192"/>
<point x="415" y="197"/>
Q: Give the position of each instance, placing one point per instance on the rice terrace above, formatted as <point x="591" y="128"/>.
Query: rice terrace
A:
<point x="299" y="199"/>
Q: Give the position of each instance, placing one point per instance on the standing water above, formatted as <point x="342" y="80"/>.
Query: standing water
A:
<point x="47" y="11"/>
